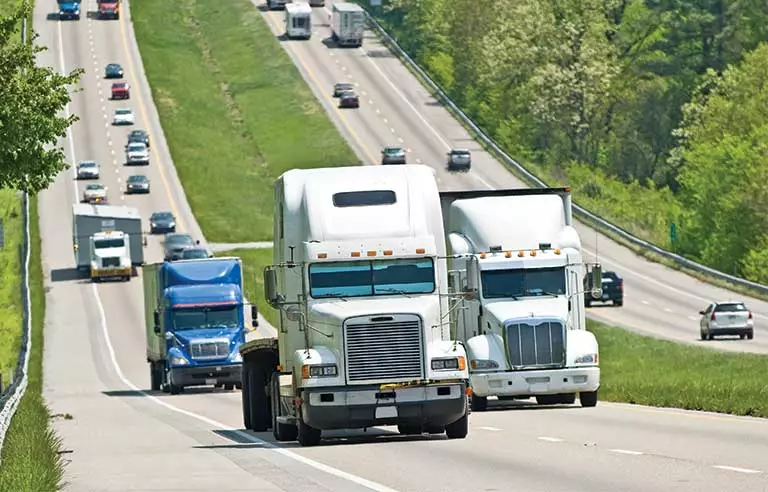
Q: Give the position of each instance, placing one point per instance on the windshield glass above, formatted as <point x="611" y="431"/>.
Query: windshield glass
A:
<point x="499" y="284"/>
<point x="108" y="243"/>
<point x="136" y="148"/>
<point x="192" y="254"/>
<point x="179" y="240"/>
<point x="137" y="179"/>
<point x="161" y="217"/>
<point x="94" y="187"/>
<point x="371" y="278"/>
<point x="87" y="164"/>
<point x="205" y="317"/>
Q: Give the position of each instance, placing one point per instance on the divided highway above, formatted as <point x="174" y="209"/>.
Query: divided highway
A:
<point x="124" y="437"/>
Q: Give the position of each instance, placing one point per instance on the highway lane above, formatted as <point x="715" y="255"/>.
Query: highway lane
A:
<point x="396" y="109"/>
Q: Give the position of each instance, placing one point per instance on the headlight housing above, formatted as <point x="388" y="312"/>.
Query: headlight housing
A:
<point x="586" y="359"/>
<point x="319" y="371"/>
<point x="483" y="364"/>
<point x="449" y="364"/>
<point x="178" y="360"/>
<point x="238" y="357"/>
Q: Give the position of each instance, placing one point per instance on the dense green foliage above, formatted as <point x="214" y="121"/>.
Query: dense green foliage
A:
<point x="652" y="110"/>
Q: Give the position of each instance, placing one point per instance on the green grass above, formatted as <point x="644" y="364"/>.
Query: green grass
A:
<point x="235" y="110"/>
<point x="10" y="283"/>
<point x="31" y="459"/>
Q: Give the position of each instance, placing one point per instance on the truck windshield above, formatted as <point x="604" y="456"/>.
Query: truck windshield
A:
<point x="205" y="317"/>
<point x="499" y="284"/>
<point x="371" y="278"/>
<point x="108" y="243"/>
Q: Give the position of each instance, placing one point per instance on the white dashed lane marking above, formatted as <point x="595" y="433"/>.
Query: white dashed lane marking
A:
<point x="737" y="469"/>
<point x="549" y="439"/>
<point x="627" y="451"/>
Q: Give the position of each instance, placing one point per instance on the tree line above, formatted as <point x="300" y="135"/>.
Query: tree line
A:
<point x="653" y="111"/>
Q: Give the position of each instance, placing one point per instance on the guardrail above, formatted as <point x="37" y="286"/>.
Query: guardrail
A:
<point x="580" y="212"/>
<point x="11" y="396"/>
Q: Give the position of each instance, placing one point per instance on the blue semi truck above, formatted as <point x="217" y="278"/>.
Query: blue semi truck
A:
<point x="69" y="9"/>
<point x="195" y="322"/>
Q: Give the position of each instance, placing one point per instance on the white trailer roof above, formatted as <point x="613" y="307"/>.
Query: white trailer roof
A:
<point x="106" y="211"/>
<point x="298" y="8"/>
<point x="347" y="7"/>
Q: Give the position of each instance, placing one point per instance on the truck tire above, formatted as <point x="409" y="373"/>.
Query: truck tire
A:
<point x="282" y="432"/>
<point x="308" y="436"/>
<point x="460" y="428"/>
<point x="155" y="377"/>
<point x="479" y="403"/>
<point x="175" y="389"/>
<point x="588" y="398"/>
<point x="246" y="399"/>
<point x="259" y="402"/>
<point x="409" y="430"/>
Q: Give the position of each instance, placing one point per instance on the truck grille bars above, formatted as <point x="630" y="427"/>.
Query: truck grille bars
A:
<point x="535" y="345"/>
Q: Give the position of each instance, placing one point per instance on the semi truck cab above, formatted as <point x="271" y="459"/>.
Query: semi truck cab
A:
<point x="110" y="255"/>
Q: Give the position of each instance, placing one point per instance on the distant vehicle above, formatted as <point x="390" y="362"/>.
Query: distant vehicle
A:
<point x="459" y="159"/>
<point x="298" y="21"/>
<point x="113" y="71"/>
<point x="87" y="170"/>
<point x="136" y="153"/>
<point x="316" y="3"/>
<point x="349" y="99"/>
<point x="175" y="244"/>
<point x="109" y="9"/>
<point x="277" y="4"/>
<point x="612" y="287"/>
<point x="195" y="253"/>
<point x="140" y="136"/>
<point x="726" y="318"/>
<point x="95" y="193"/>
<point x="69" y="9"/>
<point x="160" y="222"/>
<point x="121" y="90"/>
<point x="137" y="183"/>
<point x="342" y="87"/>
<point x="347" y="24"/>
<point x="123" y="116"/>
<point x="393" y="155"/>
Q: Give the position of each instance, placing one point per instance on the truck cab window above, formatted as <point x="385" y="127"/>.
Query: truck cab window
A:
<point x="108" y="243"/>
<point x="371" y="278"/>
<point x="499" y="284"/>
<point x="205" y="317"/>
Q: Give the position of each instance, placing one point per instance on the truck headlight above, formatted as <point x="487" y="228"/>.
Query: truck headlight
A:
<point x="178" y="360"/>
<point x="238" y="357"/>
<point x="482" y="364"/>
<point x="319" y="371"/>
<point x="449" y="364"/>
<point x="586" y="359"/>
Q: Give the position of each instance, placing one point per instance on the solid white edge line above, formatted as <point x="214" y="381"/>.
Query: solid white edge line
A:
<point x="627" y="451"/>
<point x="549" y="439"/>
<point x="363" y="482"/>
<point x="737" y="469"/>
<point x="493" y="429"/>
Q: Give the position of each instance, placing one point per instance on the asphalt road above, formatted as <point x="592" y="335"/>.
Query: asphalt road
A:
<point x="121" y="436"/>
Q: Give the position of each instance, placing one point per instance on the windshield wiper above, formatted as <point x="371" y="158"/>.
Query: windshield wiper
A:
<point x="334" y="296"/>
<point x="396" y="291"/>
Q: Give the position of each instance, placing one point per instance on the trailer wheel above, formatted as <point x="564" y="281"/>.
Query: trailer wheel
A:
<point x="588" y="398"/>
<point x="282" y="432"/>
<point x="155" y="376"/>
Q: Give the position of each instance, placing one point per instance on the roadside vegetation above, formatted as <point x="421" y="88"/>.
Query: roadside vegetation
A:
<point x="10" y="288"/>
<point x="649" y="128"/>
<point x="235" y="110"/>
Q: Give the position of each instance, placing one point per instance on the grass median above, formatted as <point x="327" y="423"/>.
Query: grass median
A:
<point x="635" y="368"/>
<point x="234" y="109"/>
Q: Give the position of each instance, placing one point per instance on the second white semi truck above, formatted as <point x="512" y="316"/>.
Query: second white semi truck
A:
<point x="517" y="259"/>
<point x="360" y="282"/>
<point x="347" y="24"/>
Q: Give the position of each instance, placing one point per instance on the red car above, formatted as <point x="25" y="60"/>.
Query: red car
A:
<point x="109" y="9"/>
<point x="349" y="99"/>
<point x="121" y="90"/>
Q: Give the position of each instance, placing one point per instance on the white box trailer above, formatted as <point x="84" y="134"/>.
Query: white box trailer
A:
<point x="298" y="21"/>
<point x="348" y="24"/>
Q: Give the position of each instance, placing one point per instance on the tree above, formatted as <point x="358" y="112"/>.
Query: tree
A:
<point x="32" y="99"/>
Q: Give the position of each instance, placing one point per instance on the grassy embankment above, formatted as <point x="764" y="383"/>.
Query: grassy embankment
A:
<point x="237" y="113"/>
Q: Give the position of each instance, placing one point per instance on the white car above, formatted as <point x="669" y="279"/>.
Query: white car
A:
<point x="123" y="116"/>
<point x="87" y="170"/>
<point x="95" y="193"/>
<point x="136" y="153"/>
<point x="727" y="318"/>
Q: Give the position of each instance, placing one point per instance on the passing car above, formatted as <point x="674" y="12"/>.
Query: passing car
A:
<point x="113" y="71"/>
<point x="69" y="9"/>
<point x="87" y="170"/>
<point x="726" y="318"/>
<point x="393" y="155"/>
<point x="95" y="193"/>
<point x="140" y="136"/>
<point x="195" y="253"/>
<point x="136" y="183"/>
<point x="612" y="286"/>
<point x="175" y="243"/>
<point x="109" y="9"/>
<point x="136" y="153"/>
<point x="162" y="222"/>
<point x="349" y="99"/>
<point x="121" y="90"/>
<point x="123" y="116"/>
<point x="459" y="159"/>
<point x="342" y="87"/>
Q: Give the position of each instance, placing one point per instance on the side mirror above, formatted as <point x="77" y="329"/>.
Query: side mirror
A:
<point x="597" y="281"/>
<point x="270" y="287"/>
<point x="473" y="275"/>
<point x="702" y="313"/>
<point x="255" y="316"/>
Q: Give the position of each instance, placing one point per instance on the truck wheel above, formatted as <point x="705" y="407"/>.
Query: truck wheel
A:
<point x="409" y="430"/>
<point x="588" y="398"/>
<point x="155" y="377"/>
<point x="308" y="436"/>
<point x="259" y="404"/>
<point x="434" y="429"/>
<point x="282" y="432"/>
<point x="175" y="389"/>
<point x="458" y="429"/>
<point x="479" y="403"/>
<point x="246" y="399"/>
<point x="229" y="387"/>
<point x="750" y="334"/>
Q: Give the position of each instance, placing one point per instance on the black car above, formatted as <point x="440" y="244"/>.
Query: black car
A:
<point x="612" y="286"/>
<point x="162" y="222"/>
<point x="136" y="183"/>
<point x="342" y="87"/>
<point x="175" y="243"/>
<point x="349" y="99"/>
<point x="113" y="71"/>
<point x="195" y="253"/>
<point x="140" y="136"/>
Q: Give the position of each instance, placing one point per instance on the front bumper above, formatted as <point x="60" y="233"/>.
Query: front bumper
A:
<point x="368" y="406"/>
<point x="132" y="190"/>
<point x="110" y="272"/>
<point x="207" y="375"/>
<point x="731" y="330"/>
<point x="69" y="15"/>
<point x="531" y="383"/>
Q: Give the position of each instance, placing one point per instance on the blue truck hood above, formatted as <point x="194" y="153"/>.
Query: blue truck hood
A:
<point x="69" y="6"/>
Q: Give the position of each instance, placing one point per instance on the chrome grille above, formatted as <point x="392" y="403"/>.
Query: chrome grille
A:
<point x="534" y="345"/>
<point x="388" y="350"/>
<point x="209" y="349"/>
<point x="112" y="261"/>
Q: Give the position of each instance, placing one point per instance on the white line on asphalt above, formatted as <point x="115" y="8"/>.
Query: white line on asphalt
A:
<point x="385" y="120"/>
<point x="492" y="429"/>
<point x="645" y="302"/>
<point x="400" y="140"/>
<point x="692" y="318"/>
<point x="737" y="469"/>
<point x="549" y="439"/>
<point x="667" y="310"/>
<point x="627" y="451"/>
<point x="392" y="130"/>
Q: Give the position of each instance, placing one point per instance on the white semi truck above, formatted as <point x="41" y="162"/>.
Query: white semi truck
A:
<point x="360" y="281"/>
<point x="298" y="21"/>
<point x="347" y="24"/>
<point x="516" y="260"/>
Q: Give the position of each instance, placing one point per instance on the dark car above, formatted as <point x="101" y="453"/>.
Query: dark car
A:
<point x="195" y="253"/>
<point x="121" y="90"/>
<point x="342" y="87"/>
<point x="175" y="243"/>
<point x="162" y="222"/>
<point x="459" y="159"/>
<point x="393" y="155"/>
<point x="113" y="71"/>
<point x="612" y="286"/>
<point x="140" y="136"/>
<point x="137" y="183"/>
<point x="349" y="99"/>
